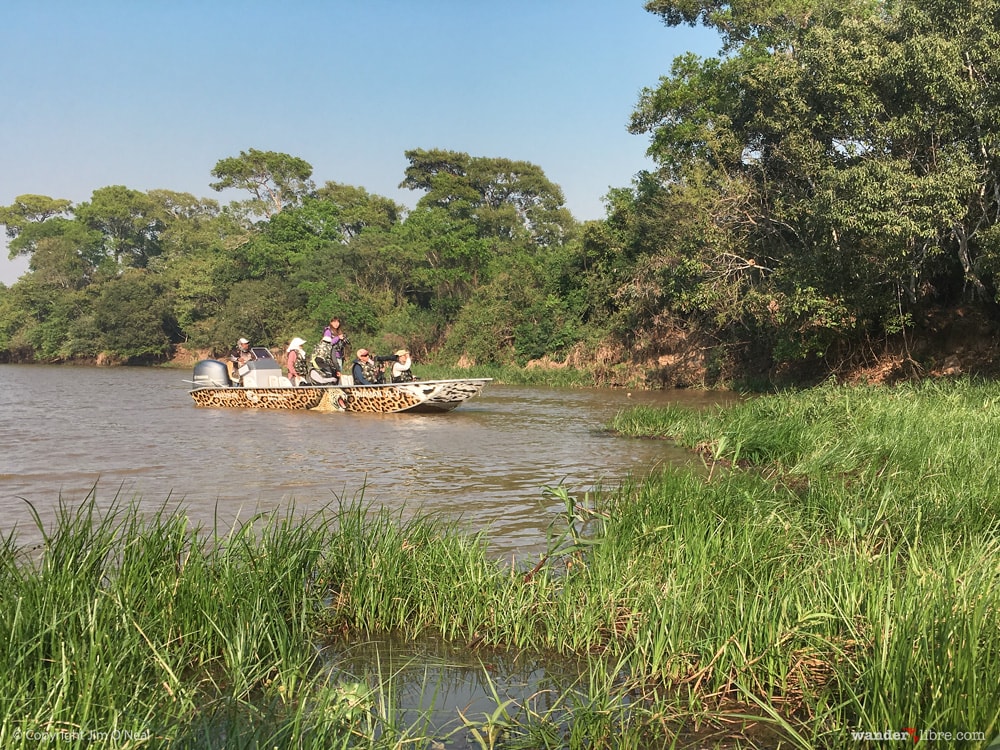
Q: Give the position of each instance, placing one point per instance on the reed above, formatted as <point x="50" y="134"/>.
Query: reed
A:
<point x="836" y="569"/>
<point x="844" y="578"/>
<point x="130" y="628"/>
<point x="852" y="577"/>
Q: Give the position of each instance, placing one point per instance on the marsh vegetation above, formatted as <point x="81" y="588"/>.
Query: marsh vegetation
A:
<point x="835" y="568"/>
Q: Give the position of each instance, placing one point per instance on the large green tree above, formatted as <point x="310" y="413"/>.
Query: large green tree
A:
<point x="62" y="252"/>
<point x="133" y="315"/>
<point x="27" y="210"/>
<point x="507" y="199"/>
<point x="844" y="156"/>
<point x="358" y="210"/>
<point x="189" y="223"/>
<point x="129" y="222"/>
<point x="275" y="180"/>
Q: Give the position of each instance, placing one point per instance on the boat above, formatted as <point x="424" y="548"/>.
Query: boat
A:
<point x="262" y="386"/>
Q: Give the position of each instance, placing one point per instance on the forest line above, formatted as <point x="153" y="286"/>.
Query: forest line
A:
<point x="824" y="188"/>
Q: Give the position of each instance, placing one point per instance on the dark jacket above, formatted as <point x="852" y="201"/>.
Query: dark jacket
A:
<point x="370" y="373"/>
<point x="241" y="356"/>
<point x="324" y="361"/>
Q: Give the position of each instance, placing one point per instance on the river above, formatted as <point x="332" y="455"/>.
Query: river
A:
<point x="135" y="433"/>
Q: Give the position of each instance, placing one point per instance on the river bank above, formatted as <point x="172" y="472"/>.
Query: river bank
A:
<point x="835" y="569"/>
<point x="949" y="343"/>
<point x="852" y="571"/>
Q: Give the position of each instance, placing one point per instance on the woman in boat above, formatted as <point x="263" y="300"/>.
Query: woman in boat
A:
<point x="297" y="361"/>
<point x="338" y="340"/>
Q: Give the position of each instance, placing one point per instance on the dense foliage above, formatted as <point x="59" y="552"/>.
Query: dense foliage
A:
<point x="480" y="267"/>
<point x="826" y="182"/>
<point x="829" y="179"/>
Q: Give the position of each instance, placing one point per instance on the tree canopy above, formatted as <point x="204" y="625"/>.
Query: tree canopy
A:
<point x="508" y="199"/>
<point x="824" y="183"/>
<point x="133" y="274"/>
<point x="275" y="180"/>
<point x="844" y="156"/>
<point x="27" y="209"/>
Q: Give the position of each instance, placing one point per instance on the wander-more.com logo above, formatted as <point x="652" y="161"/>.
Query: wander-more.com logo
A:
<point x="913" y="735"/>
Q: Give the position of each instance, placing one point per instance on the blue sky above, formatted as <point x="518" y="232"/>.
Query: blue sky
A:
<point x="152" y="94"/>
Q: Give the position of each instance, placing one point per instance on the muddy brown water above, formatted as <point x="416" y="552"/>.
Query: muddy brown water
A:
<point x="135" y="433"/>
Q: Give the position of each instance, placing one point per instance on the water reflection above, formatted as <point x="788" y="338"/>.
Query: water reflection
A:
<point x="433" y="684"/>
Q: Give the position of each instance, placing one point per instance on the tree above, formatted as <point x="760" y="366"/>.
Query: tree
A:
<point x="133" y="316"/>
<point x="63" y="252"/>
<point x="533" y="306"/>
<point x="507" y="199"/>
<point x="358" y="210"/>
<point x="26" y="215"/>
<point x="433" y="260"/>
<point x="129" y="222"/>
<point x="58" y="262"/>
<point x="43" y="323"/>
<point x="258" y="309"/>
<point x="844" y="156"/>
<point x="196" y="297"/>
<point x="189" y="223"/>
<point x="28" y="209"/>
<point x="274" y="179"/>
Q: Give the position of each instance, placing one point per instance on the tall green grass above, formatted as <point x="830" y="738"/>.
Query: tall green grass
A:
<point x="129" y="628"/>
<point x="839" y="573"/>
<point x="836" y="569"/>
<point x="850" y="573"/>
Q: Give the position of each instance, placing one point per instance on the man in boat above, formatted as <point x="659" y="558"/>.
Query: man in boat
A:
<point x="239" y="356"/>
<point x="367" y="368"/>
<point x="401" y="372"/>
<point x="323" y="369"/>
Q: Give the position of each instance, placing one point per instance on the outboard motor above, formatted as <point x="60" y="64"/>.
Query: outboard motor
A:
<point x="211" y="373"/>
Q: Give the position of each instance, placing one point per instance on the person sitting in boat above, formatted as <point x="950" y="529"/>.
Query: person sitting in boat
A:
<point x="297" y="361"/>
<point x="401" y="372"/>
<point x="323" y="368"/>
<point x="339" y="341"/>
<point x="367" y="368"/>
<point x="239" y="356"/>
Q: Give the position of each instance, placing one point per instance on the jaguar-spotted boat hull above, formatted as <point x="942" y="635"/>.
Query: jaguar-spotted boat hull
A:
<point x="418" y="396"/>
